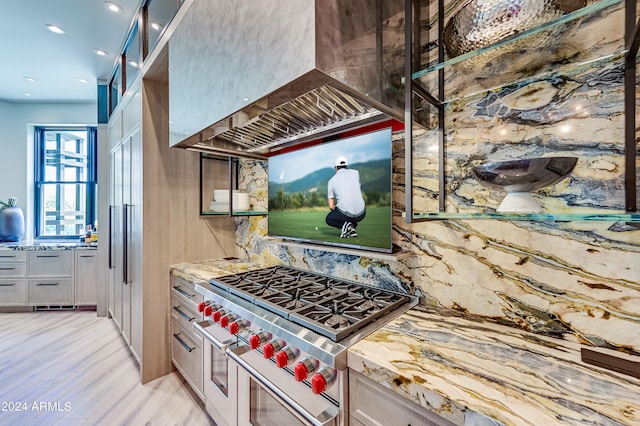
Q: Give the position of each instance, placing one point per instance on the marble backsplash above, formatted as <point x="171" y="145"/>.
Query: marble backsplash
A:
<point x="578" y="280"/>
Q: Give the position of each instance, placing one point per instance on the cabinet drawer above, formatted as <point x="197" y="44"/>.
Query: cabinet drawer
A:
<point x="13" y="292"/>
<point x="12" y="256"/>
<point x="186" y="354"/>
<point x="185" y="290"/>
<point x="52" y="291"/>
<point x="371" y="404"/>
<point x="48" y="263"/>
<point x="11" y="270"/>
<point x="184" y="314"/>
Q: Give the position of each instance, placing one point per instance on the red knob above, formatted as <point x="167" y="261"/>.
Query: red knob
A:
<point x="217" y="315"/>
<point x="254" y="341"/>
<point x="201" y="306"/>
<point x="239" y="325"/>
<point x="282" y="359"/>
<point x="207" y="310"/>
<point x="224" y="321"/>
<point x="300" y="371"/>
<point x="267" y="350"/>
<point x="318" y="384"/>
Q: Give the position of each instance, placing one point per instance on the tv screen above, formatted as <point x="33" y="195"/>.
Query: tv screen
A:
<point x="334" y="193"/>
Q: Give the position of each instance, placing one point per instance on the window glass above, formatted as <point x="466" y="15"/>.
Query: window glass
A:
<point x="65" y="181"/>
<point x="133" y="57"/>
<point x="160" y="13"/>
<point x="115" y="89"/>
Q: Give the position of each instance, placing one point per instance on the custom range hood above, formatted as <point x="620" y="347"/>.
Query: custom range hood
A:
<point x="272" y="74"/>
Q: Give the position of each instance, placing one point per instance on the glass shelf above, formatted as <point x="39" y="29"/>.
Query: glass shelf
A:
<point x="553" y="90"/>
<point x="235" y="213"/>
<point x="541" y="50"/>
<point x="562" y="217"/>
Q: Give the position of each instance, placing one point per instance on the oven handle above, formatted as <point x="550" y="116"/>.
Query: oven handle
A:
<point x="200" y="328"/>
<point x="324" y="419"/>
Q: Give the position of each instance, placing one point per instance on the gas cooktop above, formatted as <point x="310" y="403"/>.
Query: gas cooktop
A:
<point x="334" y="308"/>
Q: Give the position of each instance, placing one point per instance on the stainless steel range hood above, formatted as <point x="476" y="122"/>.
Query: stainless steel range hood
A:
<point x="308" y="69"/>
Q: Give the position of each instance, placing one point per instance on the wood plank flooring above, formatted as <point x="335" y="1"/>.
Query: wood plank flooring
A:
<point x="73" y="368"/>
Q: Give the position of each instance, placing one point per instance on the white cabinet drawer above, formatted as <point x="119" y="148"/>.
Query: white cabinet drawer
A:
<point x="185" y="290"/>
<point x="51" y="263"/>
<point x="12" y="256"/>
<point x="51" y="291"/>
<point x="187" y="356"/>
<point x="184" y="314"/>
<point x="13" y="270"/>
<point x="13" y="292"/>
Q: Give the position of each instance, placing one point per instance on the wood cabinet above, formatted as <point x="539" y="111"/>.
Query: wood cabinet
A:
<point x="155" y="220"/>
<point x="50" y="277"/>
<point x="186" y="343"/>
<point x="86" y="277"/>
<point x="13" y="283"/>
<point x="371" y="404"/>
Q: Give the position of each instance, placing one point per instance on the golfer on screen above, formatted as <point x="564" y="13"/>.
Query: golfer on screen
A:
<point x="345" y="199"/>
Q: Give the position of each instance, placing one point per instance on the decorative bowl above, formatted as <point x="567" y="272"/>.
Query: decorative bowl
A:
<point x="519" y="177"/>
<point x="481" y="23"/>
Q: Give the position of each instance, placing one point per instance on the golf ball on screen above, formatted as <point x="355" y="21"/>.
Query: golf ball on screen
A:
<point x="316" y="228"/>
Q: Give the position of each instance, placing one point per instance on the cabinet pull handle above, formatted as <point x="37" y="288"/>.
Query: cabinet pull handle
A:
<point x="110" y="238"/>
<point x="182" y="292"/>
<point x="8" y="285"/>
<point x="183" y="343"/>
<point x="86" y="255"/>
<point x="7" y="256"/>
<point x="7" y="268"/>
<point x="47" y="284"/>
<point x="182" y="314"/>
<point x="47" y="255"/>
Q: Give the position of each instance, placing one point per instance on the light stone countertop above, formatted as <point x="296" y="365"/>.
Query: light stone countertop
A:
<point x="480" y="373"/>
<point x="46" y="245"/>
<point x="477" y="373"/>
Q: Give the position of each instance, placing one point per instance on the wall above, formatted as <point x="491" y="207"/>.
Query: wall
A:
<point x="16" y="162"/>
<point x="575" y="280"/>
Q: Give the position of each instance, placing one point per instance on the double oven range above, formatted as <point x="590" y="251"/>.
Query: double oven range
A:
<point x="276" y="342"/>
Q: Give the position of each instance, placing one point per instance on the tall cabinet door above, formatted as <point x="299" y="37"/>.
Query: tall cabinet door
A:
<point x="134" y="240"/>
<point x="127" y="209"/>
<point x="115" y="235"/>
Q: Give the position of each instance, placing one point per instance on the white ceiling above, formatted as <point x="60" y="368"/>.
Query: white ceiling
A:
<point x="29" y="49"/>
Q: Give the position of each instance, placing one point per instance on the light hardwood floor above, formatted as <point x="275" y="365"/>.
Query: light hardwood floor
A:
<point x="68" y="367"/>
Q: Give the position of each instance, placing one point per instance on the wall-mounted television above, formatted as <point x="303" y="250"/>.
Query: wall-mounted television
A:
<point x="304" y="183"/>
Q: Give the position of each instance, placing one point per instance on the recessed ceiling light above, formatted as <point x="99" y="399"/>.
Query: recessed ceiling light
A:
<point x="30" y="79"/>
<point x="54" y="29"/>
<point x="27" y="94"/>
<point x="155" y="26"/>
<point x="82" y="80"/>
<point x="100" y="52"/>
<point x="133" y="64"/>
<point x="112" y="7"/>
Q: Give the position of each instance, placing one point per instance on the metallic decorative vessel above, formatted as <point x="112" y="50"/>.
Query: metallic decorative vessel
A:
<point x="519" y="177"/>
<point x="481" y="23"/>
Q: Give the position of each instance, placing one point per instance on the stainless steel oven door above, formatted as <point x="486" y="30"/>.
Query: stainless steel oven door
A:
<point x="270" y="396"/>
<point x="220" y="375"/>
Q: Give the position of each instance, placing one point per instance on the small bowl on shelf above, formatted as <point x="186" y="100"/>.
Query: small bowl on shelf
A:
<point x="520" y="177"/>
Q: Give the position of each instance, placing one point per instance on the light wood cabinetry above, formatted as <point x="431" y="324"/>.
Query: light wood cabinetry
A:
<point x="50" y="277"/>
<point x="13" y="283"/>
<point x="86" y="277"/>
<point x="160" y="188"/>
<point x="371" y="404"/>
<point x="186" y="343"/>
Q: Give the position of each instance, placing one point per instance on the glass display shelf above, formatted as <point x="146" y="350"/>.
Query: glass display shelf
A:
<point x="630" y="218"/>
<point x="545" y="49"/>
<point x="234" y="213"/>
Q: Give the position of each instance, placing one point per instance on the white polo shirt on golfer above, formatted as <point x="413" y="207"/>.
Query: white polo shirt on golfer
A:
<point x="344" y="186"/>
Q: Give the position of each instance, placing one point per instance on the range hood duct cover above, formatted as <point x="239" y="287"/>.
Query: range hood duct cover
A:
<point x="352" y="78"/>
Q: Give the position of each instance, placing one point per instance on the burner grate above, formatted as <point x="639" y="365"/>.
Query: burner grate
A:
<point x="331" y="307"/>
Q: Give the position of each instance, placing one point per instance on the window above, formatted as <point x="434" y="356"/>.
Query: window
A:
<point x="65" y="181"/>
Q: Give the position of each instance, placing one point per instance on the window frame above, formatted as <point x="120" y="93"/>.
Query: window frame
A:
<point x="91" y="181"/>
